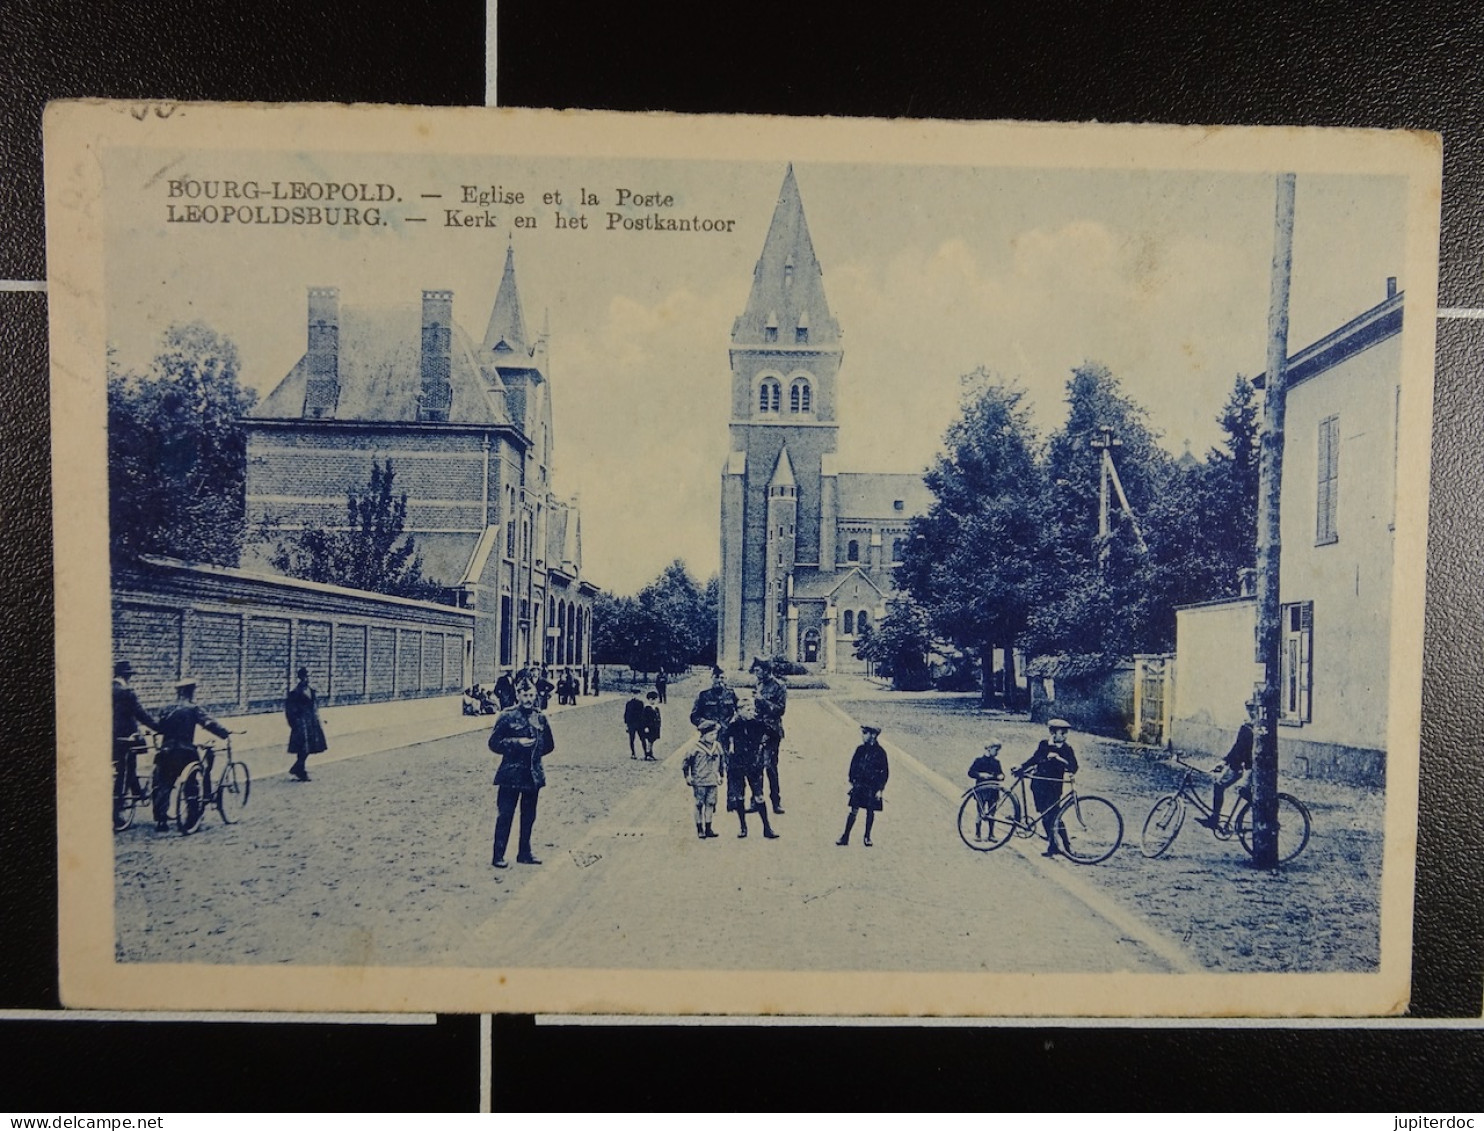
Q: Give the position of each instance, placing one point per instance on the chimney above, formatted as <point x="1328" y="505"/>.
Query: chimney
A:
<point x="1391" y="286"/>
<point x="322" y="389"/>
<point x="437" y="394"/>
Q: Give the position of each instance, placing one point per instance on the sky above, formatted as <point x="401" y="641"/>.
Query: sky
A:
<point x="931" y="272"/>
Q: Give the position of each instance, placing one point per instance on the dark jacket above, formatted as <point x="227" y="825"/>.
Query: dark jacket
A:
<point x="772" y="701"/>
<point x="520" y="765"/>
<point x="1049" y="766"/>
<point x="505" y="691"/>
<point x="178" y="722"/>
<point x="127" y="712"/>
<point x="633" y="714"/>
<point x="651" y="721"/>
<point x="1239" y="757"/>
<point x="306" y="736"/>
<point x="747" y="737"/>
<point x="868" y="766"/>
<point x="719" y="703"/>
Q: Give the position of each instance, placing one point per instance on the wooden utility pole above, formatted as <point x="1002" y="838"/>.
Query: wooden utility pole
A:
<point x="1269" y="539"/>
<point x="1108" y="474"/>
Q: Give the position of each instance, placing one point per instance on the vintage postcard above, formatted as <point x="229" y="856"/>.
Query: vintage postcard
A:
<point x="596" y="563"/>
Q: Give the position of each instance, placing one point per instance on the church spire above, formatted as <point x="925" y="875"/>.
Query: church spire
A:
<point x="507" y="326"/>
<point x="787" y="305"/>
<point x="783" y="471"/>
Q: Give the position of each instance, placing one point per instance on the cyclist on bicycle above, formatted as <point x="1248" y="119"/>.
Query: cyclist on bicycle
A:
<point x="177" y="725"/>
<point x="1234" y="766"/>
<point x="128" y="715"/>
<point x="987" y="774"/>
<point x="1053" y="760"/>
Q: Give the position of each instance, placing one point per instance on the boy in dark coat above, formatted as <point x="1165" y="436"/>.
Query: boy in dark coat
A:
<point x="868" y="774"/>
<point x="744" y="767"/>
<point x="651" y="732"/>
<point x="1053" y="760"/>
<point x="987" y="774"/>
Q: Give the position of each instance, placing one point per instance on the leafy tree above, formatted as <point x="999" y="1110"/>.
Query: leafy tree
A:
<point x="898" y="646"/>
<point x="177" y="451"/>
<point x="1099" y="597"/>
<point x="972" y="563"/>
<point x="668" y="625"/>
<point x="371" y="553"/>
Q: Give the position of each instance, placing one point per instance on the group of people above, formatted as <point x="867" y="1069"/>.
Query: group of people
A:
<point x="479" y="700"/>
<point x="176" y="725"/>
<point x="738" y="739"/>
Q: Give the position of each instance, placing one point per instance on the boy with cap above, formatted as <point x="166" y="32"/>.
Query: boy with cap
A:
<point x="868" y="774"/>
<point x="1053" y="760"/>
<point x="128" y="715"/>
<point x="703" y="772"/>
<point x="987" y="774"/>
<point x="744" y="767"/>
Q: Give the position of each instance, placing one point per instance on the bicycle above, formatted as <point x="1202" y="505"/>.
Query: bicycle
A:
<point x="1089" y="829"/>
<point x="195" y="791"/>
<point x="1163" y="824"/>
<point x="129" y="795"/>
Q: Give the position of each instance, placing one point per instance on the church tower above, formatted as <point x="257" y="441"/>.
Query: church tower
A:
<point x="785" y="356"/>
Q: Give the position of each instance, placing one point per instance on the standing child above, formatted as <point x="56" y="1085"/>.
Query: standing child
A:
<point x="868" y="774"/>
<point x="703" y="771"/>
<point x="633" y="721"/>
<point x="987" y="774"/>
<point x="651" y="732"/>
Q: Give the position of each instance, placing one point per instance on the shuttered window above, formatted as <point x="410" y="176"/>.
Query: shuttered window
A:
<point x="1325" y="529"/>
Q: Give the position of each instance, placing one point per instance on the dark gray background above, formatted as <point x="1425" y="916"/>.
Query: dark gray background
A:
<point x="1390" y="65"/>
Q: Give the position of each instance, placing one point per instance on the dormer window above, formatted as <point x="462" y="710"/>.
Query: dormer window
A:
<point x="769" y="395"/>
<point x="801" y="329"/>
<point x="770" y="328"/>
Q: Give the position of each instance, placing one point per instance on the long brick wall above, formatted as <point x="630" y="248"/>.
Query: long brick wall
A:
<point x="242" y="635"/>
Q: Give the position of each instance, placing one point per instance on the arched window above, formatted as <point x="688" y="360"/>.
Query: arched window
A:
<point x="853" y="551"/>
<point x="862" y="622"/>
<point x="770" y="395"/>
<point x="849" y="623"/>
<point x="800" y="396"/>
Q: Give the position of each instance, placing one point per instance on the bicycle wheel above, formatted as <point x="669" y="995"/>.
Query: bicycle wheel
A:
<point x="1089" y="829"/>
<point x="190" y="804"/>
<point x="1293" y="827"/>
<point x="985" y="831"/>
<point x="1162" y="826"/>
<point x="232" y="791"/>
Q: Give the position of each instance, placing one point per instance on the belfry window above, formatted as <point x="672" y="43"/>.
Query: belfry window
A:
<point x="853" y="551"/>
<point x="770" y="395"/>
<point x="800" y="396"/>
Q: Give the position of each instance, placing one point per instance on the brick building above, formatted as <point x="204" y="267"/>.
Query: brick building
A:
<point x="807" y="549"/>
<point x="466" y="425"/>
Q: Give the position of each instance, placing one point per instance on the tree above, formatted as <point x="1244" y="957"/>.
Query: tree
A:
<point x="177" y="451"/>
<point x="1099" y="597"/>
<point x="972" y="562"/>
<point x="898" y="646"/>
<point x="668" y="625"/>
<point x="371" y="553"/>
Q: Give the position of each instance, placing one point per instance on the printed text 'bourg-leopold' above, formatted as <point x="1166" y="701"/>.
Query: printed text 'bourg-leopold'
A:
<point x="351" y="204"/>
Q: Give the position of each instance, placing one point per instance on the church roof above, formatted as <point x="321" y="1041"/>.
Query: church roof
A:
<point x="787" y="283"/>
<point x="816" y="585"/>
<point x="380" y="373"/>
<point x="876" y="495"/>
<point x="506" y="332"/>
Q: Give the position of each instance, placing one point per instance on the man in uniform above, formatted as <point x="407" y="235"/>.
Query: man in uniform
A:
<point x="177" y="726"/>
<point x="717" y="703"/>
<point x="772" y="701"/>
<point x="128" y="714"/>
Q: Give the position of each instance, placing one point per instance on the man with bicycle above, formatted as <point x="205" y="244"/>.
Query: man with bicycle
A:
<point x="128" y="715"/>
<point x="1048" y="767"/>
<point x="177" y="725"/>
<point x="1234" y="766"/>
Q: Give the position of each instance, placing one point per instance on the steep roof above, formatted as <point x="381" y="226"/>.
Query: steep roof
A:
<point x="380" y="373"/>
<point x="783" y="470"/>
<point x="506" y="332"/>
<point x="874" y="495"/>
<point x="787" y="283"/>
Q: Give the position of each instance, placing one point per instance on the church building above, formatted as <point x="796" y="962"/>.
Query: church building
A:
<point x="807" y="548"/>
<point x="466" y="425"/>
